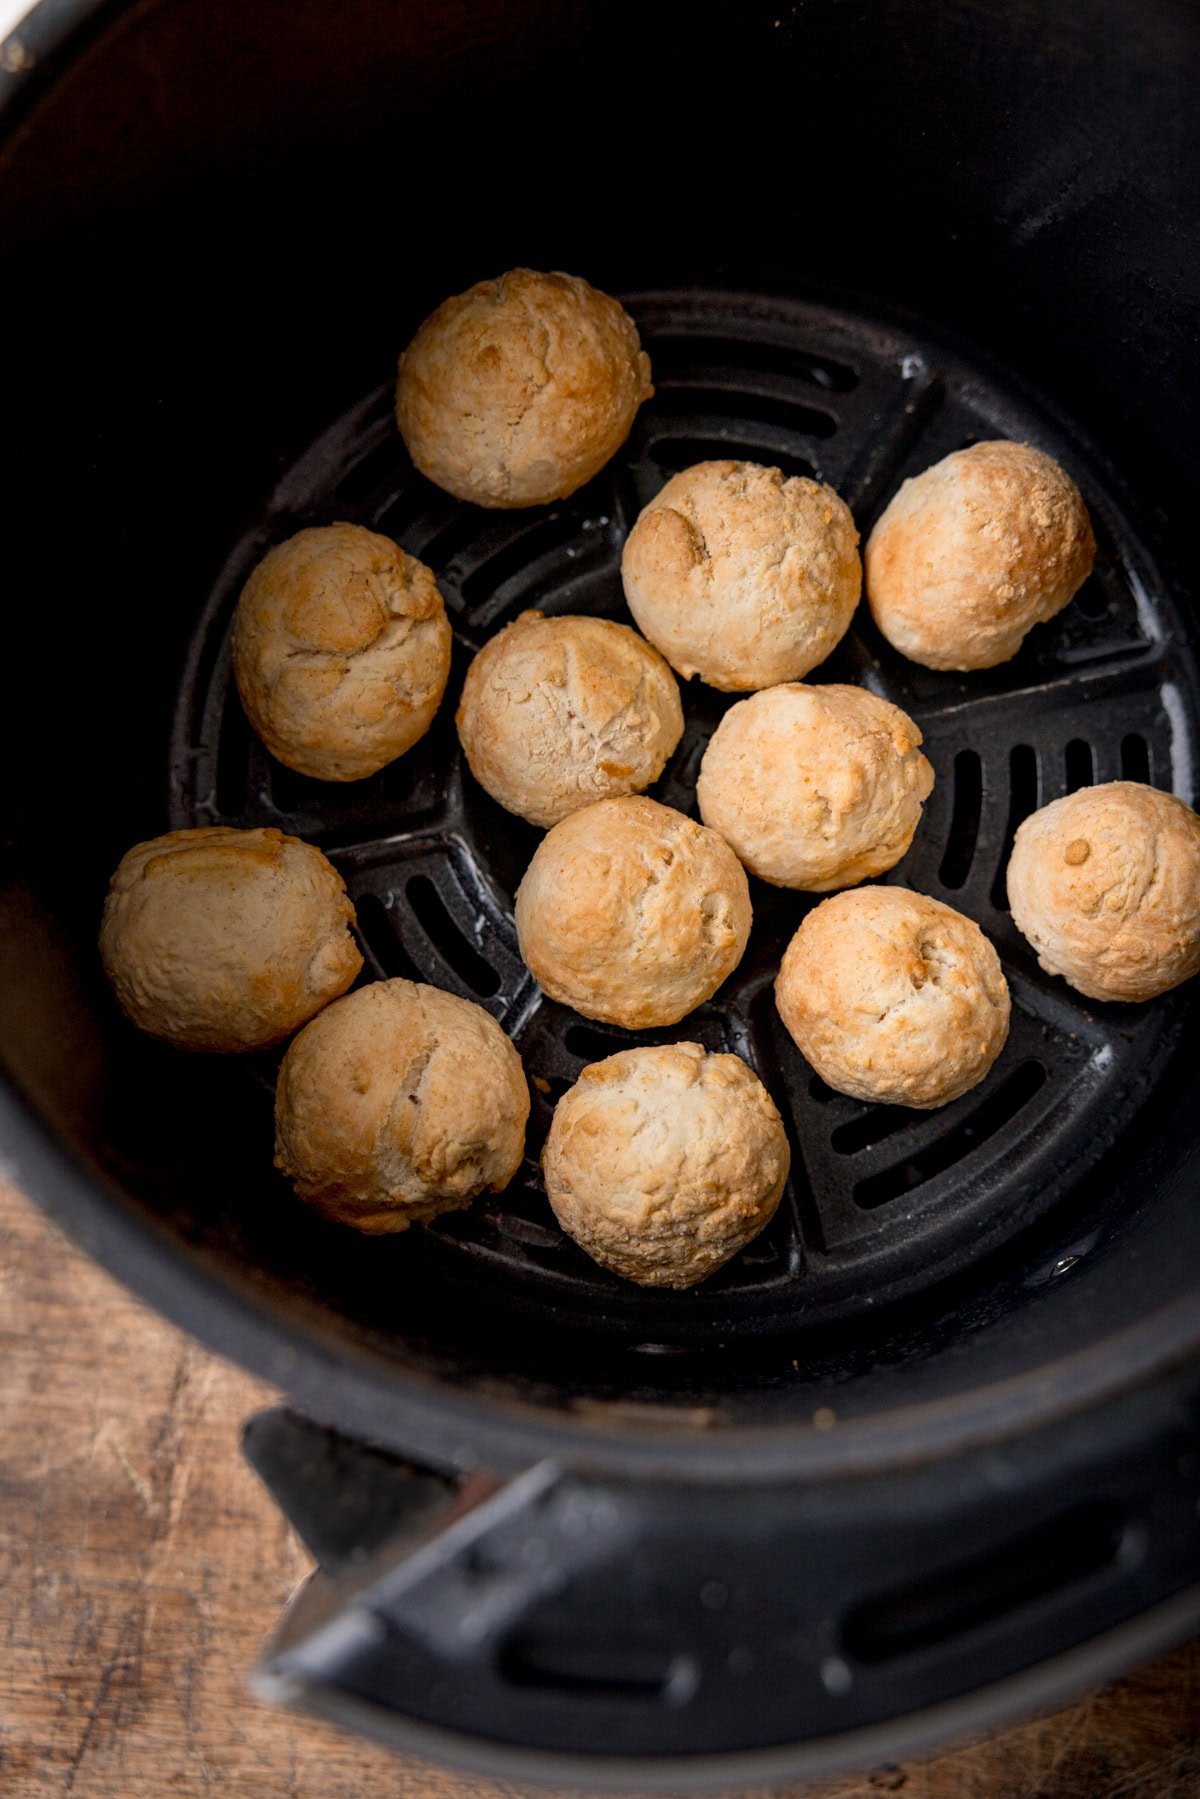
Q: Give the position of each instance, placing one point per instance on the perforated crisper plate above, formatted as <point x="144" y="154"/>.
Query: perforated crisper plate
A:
<point x="881" y="1200"/>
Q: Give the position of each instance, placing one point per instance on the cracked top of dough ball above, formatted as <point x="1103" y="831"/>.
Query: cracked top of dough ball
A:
<point x="663" y="1163"/>
<point x="219" y="939"/>
<point x="1105" y="884"/>
<point x="559" y="712"/>
<point x="815" y="787"/>
<point x="521" y="389"/>
<point x="892" y="996"/>
<point x="972" y="553"/>
<point x="742" y="576"/>
<point x="341" y="651"/>
<point x="632" y="913"/>
<point x="399" y="1103"/>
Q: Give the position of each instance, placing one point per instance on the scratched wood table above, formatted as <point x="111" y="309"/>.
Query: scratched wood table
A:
<point x="141" y="1566"/>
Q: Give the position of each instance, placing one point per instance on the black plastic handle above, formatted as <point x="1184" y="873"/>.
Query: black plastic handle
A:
<point x="573" y="1614"/>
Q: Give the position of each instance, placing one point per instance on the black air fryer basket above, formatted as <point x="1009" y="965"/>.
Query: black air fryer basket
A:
<point x="928" y="1452"/>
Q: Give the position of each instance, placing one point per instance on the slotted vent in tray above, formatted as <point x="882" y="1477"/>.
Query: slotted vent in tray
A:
<point x="881" y="1200"/>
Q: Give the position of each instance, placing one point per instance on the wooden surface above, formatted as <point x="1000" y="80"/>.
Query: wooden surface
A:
<point x="141" y="1567"/>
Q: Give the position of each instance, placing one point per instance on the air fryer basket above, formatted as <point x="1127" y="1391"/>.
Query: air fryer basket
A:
<point x="883" y="1201"/>
<point x="929" y="1448"/>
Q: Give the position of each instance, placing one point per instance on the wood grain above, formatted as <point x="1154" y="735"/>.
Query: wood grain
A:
<point x="141" y="1567"/>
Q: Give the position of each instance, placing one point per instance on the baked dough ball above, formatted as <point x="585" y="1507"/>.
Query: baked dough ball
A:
<point x="226" y="940"/>
<point x="892" y="996"/>
<point x="632" y="913"/>
<point x="973" y="552"/>
<point x="558" y="712"/>
<point x="341" y="651"/>
<point x="1105" y="884"/>
<point x="521" y="389"/>
<point x="815" y="787"/>
<point x="397" y="1104"/>
<point x="663" y="1163"/>
<point x="741" y="576"/>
